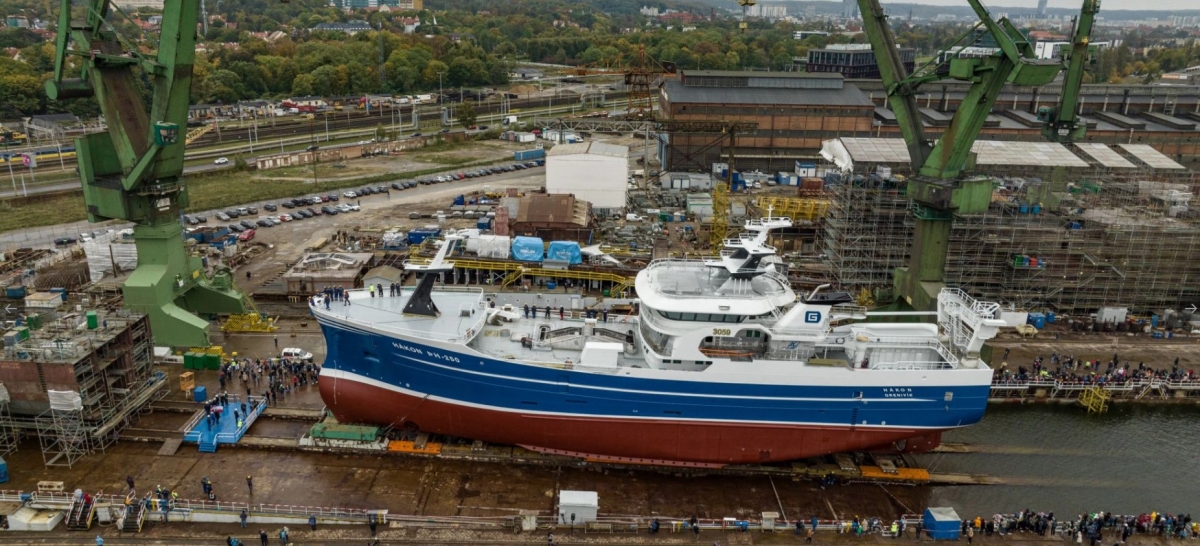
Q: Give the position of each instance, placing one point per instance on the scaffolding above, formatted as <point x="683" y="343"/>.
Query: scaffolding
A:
<point x="867" y="234"/>
<point x="1111" y="227"/>
<point x="8" y="429"/>
<point x="64" y="436"/>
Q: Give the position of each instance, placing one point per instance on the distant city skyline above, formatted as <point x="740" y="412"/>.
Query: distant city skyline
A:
<point x="1106" y="5"/>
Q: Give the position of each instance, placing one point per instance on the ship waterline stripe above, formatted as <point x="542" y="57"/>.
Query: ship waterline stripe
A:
<point x="653" y="393"/>
<point x="343" y="375"/>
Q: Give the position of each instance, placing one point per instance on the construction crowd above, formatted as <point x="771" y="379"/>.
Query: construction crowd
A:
<point x="282" y="375"/>
<point x="1094" y="527"/>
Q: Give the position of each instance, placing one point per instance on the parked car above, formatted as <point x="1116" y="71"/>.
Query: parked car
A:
<point x="271" y="207"/>
<point x="331" y="197"/>
<point x="312" y="148"/>
<point x="397" y="186"/>
<point x="221" y="161"/>
<point x="223" y="217"/>
<point x="247" y="224"/>
<point x="236" y="228"/>
<point x="285" y="217"/>
<point x="352" y="206"/>
<point x="350" y="195"/>
<point x="314" y="212"/>
<point x="483" y="127"/>
<point x="189" y="220"/>
<point x="416" y="134"/>
<point x="263" y="222"/>
<point x="202" y="219"/>
<point x="232" y="213"/>
<point x="302" y="214"/>
<point x="327" y="209"/>
<point x="247" y="235"/>
<point x="64" y="241"/>
<point x="252" y="210"/>
<point x="288" y="205"/>
<point x="294" y="353"/>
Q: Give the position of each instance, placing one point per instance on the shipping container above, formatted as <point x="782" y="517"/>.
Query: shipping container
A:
<point x="527" y="155"/>
<point x="418" y="236"/>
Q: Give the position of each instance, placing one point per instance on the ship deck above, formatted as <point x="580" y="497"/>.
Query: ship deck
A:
<point x="463" y="311"/>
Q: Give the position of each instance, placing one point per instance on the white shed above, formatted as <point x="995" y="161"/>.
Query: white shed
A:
<point x="577" y="507"/>
<point x="593" y="171"/>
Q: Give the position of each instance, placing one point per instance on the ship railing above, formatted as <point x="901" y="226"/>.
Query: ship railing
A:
<point x="906" y="365"/>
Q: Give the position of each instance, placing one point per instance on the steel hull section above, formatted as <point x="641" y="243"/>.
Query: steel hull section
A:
<point x="637" y="441"/>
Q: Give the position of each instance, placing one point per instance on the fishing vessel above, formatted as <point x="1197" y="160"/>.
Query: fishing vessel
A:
<point x="720" y="363"/>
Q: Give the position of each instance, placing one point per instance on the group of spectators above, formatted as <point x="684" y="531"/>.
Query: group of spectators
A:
<point x="1095" y="528"/>
<point x="1066" y="369"/>
<point x="282" y="376"/>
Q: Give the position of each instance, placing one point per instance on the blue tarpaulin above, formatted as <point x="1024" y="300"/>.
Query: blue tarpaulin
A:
<point x="527" y="249"/>
<point x="942" y="523"/>
<point x="565" y="251"/>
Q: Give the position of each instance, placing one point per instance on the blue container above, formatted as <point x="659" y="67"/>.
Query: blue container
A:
<point x="1154" y="321"/>
<point x="1037" y="209"/>
<point x="550" y="285"/>
<point x="3" y="471"/>
<point x="1037" y="320"/>
<point x="1157" y="335"/>
<point x="15" y="292"/>
<point x="200" y="394"/>
<point x="485" y="223"/>
<point x="1075" y="225"/>
<point x="1023" y="209"/>
<point x="1050" y="317"/>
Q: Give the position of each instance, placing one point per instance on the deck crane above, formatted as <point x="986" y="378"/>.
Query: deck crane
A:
<point x="937" y="190"/>
<point x="1061" y="123"/>
<point x="134" y="170"/>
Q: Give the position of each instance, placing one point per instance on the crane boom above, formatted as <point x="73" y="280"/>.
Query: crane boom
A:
<point x="900" y="90"/>
<point x="1015" y="63"/>
<point x="1061" y="123"/>
<point x="134" y="170"/>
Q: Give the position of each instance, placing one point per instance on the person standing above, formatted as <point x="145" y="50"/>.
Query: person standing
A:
<point x="970" y="534"/>
<point x="276" y="342"/>
<point x="99" y="540"/>
<point x="244" y="517"/>
<point x="262" y="537"/>
<point x="129" y="480"/>
<point x="312" y="522"/>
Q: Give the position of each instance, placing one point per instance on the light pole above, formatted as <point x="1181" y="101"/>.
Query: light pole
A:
<point x="441" y="107"/>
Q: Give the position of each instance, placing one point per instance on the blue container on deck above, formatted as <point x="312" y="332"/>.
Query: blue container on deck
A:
<point x="3" y="471"/>
<point x="1076" y="225"/>
<point x="528" y="249"/>
<point x="1037" y="209"/>
<point x="15" y="292"/>
<point x="485" y="223"/>
<point x="200" y="394"/>
<point x="1049" y="317"/>
<point x="1037" y="320"/>
<point x="417" y="236"/>
<point x="460" y="200"/>
<point x="551" y="285"/>
<point x="1154" y="321"/>
<point x="1023" y="209"/>
<point x="942" y="523"/>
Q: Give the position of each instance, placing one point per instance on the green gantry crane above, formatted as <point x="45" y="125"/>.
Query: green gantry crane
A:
<point x="937" y="191"/>
<point x="1061" y="123"/>
<point x="133" y="171"/>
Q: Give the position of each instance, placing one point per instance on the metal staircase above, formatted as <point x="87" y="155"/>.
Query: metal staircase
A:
<point x="134" y="517"/>
<point x="81" y="514"/>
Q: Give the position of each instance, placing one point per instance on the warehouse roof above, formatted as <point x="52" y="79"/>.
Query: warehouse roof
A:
<point x="594" y="147"/>
<point x="848" y="95"/>
<point x="1030" y="154"/>
<point x="1104" y="155"/>
<point x="1151" y="157"/>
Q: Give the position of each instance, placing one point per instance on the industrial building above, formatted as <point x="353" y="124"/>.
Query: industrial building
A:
<point x="1164" y="117"/>
<point x="74" y="378"/>
<point x="553" y="218"/>
<point x="594" y="171"/>
<point x="1068" y="228"/>
<point x="854" y="60"/>
<point x="795" y="112"/>
<point x="320" y="270"/>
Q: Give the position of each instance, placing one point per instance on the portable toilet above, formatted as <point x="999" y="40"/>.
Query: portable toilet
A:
<point x="942" y="523"/>
<point x="577" y="507"/>
<point x="200" y="394"/>
<point x="3" y="471"/>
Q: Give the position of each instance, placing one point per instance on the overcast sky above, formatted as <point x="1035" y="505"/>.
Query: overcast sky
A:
<point x="1073" y="4"/>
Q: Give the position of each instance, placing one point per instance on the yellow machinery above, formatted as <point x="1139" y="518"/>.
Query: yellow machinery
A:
<point x="198" y="132"/>
<point x="796" y="208"/>
<point x="254" y="321"/>
<point x="720" y="221"/>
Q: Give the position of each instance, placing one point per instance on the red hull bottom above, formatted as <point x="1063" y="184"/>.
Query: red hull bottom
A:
<point x="635" y="440"/>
